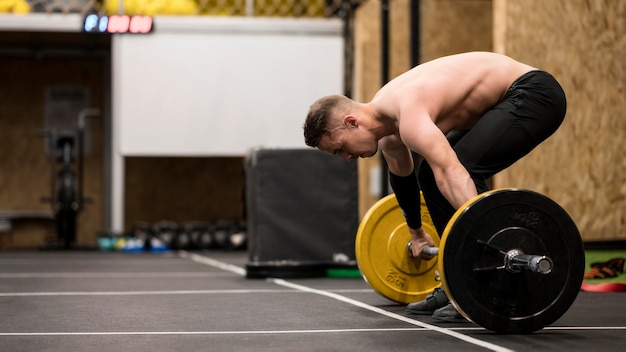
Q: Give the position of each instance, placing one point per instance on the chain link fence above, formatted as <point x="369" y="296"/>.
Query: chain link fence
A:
<point x="259" y="8"/>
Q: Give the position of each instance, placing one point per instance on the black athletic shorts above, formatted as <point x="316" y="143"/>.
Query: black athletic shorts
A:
<point x="532" y="109"/>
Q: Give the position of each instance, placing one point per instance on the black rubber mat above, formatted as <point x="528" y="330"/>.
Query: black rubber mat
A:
<point x="91" y="301"/>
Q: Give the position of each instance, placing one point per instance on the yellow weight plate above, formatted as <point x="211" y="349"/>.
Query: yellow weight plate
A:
<point x="383" y="257"/>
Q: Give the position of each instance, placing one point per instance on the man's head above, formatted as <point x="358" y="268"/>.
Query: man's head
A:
<point x="334" y="125"/>
<point x="320" y="119"/>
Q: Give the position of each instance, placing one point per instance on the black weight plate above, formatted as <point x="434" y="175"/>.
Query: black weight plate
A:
<point x="500" y="300"/>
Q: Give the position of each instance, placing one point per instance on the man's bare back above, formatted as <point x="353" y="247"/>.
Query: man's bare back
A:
<point x="455" y="90"/>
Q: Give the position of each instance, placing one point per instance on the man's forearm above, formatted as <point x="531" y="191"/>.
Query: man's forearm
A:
<point x="457" y="186"/>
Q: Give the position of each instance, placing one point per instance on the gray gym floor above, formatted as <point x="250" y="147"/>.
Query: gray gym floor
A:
<point x="184" y="301"/>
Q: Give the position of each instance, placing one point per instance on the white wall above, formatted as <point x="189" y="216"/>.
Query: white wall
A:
<point x="210" y="86"/>
<point x="221" y="86"/>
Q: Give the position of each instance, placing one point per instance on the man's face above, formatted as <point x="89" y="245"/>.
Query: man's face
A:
<point x="349" y="143"/>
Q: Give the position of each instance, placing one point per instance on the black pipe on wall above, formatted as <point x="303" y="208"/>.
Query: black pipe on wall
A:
<point x="384" y="77"/>
<point x="415" y="32"/>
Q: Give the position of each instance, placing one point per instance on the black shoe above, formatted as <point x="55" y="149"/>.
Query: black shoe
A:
<point x="435" y="300"/>
<point x="449" y="314"/>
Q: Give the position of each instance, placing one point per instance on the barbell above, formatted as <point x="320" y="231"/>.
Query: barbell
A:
<point x="514" y="260"/>
<point x="509" y="260"/>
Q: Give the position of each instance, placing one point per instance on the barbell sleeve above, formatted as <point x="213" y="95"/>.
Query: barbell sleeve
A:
<point x="431" y="250"/>
<point x="428" y="250"/>
<point x="515" y="260"/>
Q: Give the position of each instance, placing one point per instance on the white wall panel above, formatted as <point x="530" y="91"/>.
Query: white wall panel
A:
<point x="221" y="86"/>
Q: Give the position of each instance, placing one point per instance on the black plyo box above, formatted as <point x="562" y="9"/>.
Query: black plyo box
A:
<point x="301" y="206"/>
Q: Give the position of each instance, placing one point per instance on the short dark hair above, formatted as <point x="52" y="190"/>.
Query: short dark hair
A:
<point x="316" y="123"/>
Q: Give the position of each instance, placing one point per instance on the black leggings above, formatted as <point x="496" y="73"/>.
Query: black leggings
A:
<point x="531" y="110"/>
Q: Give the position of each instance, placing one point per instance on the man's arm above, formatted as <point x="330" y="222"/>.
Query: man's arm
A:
<point x="421" y="135"/>
<point x="398" y="156"/>
<point x="404" y="183"/>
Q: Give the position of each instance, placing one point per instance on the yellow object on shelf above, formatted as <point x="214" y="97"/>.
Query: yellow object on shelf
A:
<point x="152" y="7"/>
<point x="14" y="6"/>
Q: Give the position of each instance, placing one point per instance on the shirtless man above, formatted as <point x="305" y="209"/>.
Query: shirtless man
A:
<point x="468" y="115"/>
